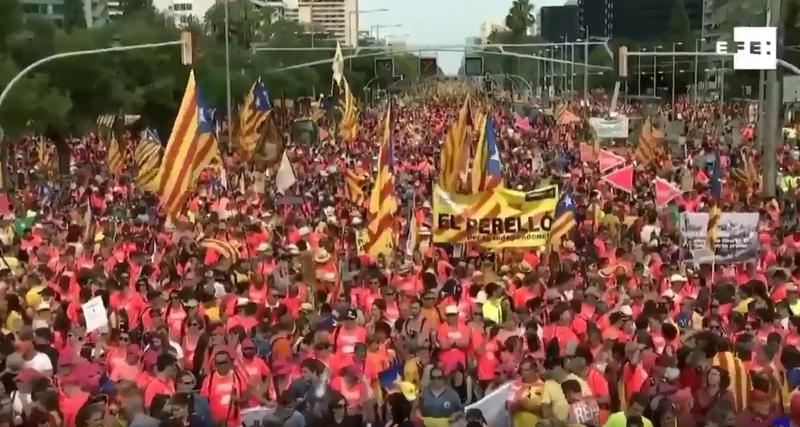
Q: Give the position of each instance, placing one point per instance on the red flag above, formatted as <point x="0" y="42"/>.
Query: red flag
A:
<point x="522" y="123"/>
<point x="607" y="160"/>
<point x="621" y="178"/>
<point x="665" y="192"/>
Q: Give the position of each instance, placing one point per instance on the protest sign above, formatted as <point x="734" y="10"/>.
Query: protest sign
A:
<point x="614" y="127"/>
<point x="737" y="238"/>
<point x="501" y="218"/>
<point x="95" y="314"/>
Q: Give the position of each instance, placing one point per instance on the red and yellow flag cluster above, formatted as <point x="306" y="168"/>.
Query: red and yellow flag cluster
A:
<point x="148" y="160"/>
<point x="190" y="149"/>
<point x="115" y="158"/>
<point x="348" y="126"/>
<point x="354" y="179"/>
<point x="650" y="148"/>
<point x="455" y="152"/>
<point x="383" y="204"/>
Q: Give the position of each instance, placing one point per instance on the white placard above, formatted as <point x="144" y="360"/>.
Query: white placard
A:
<point x="95" y="314"/>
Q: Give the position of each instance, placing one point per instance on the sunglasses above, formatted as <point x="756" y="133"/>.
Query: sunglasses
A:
<point x="340" y="405"/>
<point x="194" y="324"/>
<point x="222" y="362"/>
<point x="437" y="377"/>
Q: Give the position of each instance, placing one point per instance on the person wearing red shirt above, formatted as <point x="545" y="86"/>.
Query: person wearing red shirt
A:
<point x="164" y="380"/>
<point x="256" y="371"/>
<point x="71" y="399"/>
<point x="225" y="390"/>
<point x="349" y="333"/>
<point x="453" y="337"/>
<point x="130" y="367"/>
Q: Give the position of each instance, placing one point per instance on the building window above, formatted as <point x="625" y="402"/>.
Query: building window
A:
<point x="179" y="7"/>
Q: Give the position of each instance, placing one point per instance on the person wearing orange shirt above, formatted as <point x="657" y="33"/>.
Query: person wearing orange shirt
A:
<point x="453" y="338"/>
<point x="225" y="390"/>
<point x="256" y="371"/>
<point x="71" y="399"/>
<point x="407" y="282"/>
<point x="129" y="368"/>
<point x="349" y="334"/>
<point x="164" y="380"/>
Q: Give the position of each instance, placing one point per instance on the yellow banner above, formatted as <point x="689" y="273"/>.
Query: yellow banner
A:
<point x="500" y="218"/>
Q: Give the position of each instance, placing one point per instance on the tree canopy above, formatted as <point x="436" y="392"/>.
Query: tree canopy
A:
<point x="70" y="93"/>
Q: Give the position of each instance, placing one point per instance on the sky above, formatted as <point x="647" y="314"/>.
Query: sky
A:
<point x="439" y="22"/>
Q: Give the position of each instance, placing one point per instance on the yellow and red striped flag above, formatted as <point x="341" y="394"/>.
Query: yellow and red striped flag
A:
<point x="650" y="145"/>
<point x="354" y="179"/>
<point x="224" y="248"/>
<point x="712" y="229"/>
<point x="252" y="118"/>
<point x="382" y="206"/>
<point x="348" y="126"/>
<point x="147" y="158"/>
<point x="454" y="152"/>
<point x="189" y="151"/>
<point x="115" y="160"/>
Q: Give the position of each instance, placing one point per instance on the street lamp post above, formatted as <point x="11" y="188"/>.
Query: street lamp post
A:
<point x="696" y="68"/>
<point x="673" y="71"/>
<point x="350" y="14"/>
<point x="639" y="72"/>
<point x="379" y="26"/>
<point x="655" y="71"/>
<point x="186" y="53"/>
<point x="586" y="62"/>
<point x="228" y="75"/>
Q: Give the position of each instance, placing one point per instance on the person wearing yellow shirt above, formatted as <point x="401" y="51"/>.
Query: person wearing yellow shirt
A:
<point x="633" y="415"/>
<point x="525" y="396"/>
<point x="554" y="402"/>
<point x="493" y="306"/>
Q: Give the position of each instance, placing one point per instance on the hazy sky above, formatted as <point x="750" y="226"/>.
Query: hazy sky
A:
<point x="438" y="21"/>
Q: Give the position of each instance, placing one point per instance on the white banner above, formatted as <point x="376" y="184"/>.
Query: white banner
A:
<point x="615" y="127"/>
<point x="737" y="238"/>
<point x="493" y="407"/>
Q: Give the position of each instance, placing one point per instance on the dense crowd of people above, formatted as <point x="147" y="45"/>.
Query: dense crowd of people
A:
<point x="297" y="327"/>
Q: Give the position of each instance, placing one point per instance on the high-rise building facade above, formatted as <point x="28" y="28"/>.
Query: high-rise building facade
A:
<point x="338" y="18"/>
<point x="639" y="20"/>
<point x="558" y="23"/>
<point x="96" y="13"/>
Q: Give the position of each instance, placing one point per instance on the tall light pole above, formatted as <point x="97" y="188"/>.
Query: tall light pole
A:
<point x="655" y="71"/>
<point x="350" y="15"/>
<point x="772" y="118"/>
<point x="379" y="26"/>
<point x="639" y="71"/>
<point x="228" y="75"/>
<point x="674" y="45"/>
<point x="696" y="68"/>
<point x="586" y="62"/>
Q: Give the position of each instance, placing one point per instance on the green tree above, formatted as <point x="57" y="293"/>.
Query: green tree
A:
<point x="74" y="17"/>
<point x="130" y="7"/>
<point x="680" y="28"/>
<point x="520" y="17"/>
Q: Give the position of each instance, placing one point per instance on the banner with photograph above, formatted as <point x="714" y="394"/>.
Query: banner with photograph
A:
<point x="614" y="127"/>
<point x="501" y="218"/>
<point x="737" y="238"/>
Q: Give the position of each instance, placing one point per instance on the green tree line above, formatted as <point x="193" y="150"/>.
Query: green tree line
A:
<point x="68" y="94"/>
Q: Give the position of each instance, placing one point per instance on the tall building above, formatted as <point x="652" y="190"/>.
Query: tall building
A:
<point x="95" y="12"/>
<point x="557" y="23"/>
<point x="635" y="19"/>
<point x="596" y="16"/>
<point x="338" y="18"/>
<point x="710" y="32"/>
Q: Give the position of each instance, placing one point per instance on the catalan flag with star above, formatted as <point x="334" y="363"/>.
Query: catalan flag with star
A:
<point x="190" y="149"/>
<point x="565" y="218"/>
<point x="382" y="206"/>
<point x="252" y="118"/>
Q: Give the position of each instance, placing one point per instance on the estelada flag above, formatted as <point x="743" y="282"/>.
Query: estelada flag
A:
<point x="621" y="179"/>
<point x="665" y="192"/>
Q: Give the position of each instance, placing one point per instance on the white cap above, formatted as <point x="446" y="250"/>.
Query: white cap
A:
<point x="669" y="294"/>
<point x="626" y="310"/>
<point x="678" y="278"/>
<point x="451" y="309"/>
<point x="263" y="247"/>
<point x="304" y="231"/>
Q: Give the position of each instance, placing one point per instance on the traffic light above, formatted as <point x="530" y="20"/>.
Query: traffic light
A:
<point x="384" y="68"/>
<point x="622" y="61"/>
<point x="428" y="67"/>
<point x="473" y="65"/>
